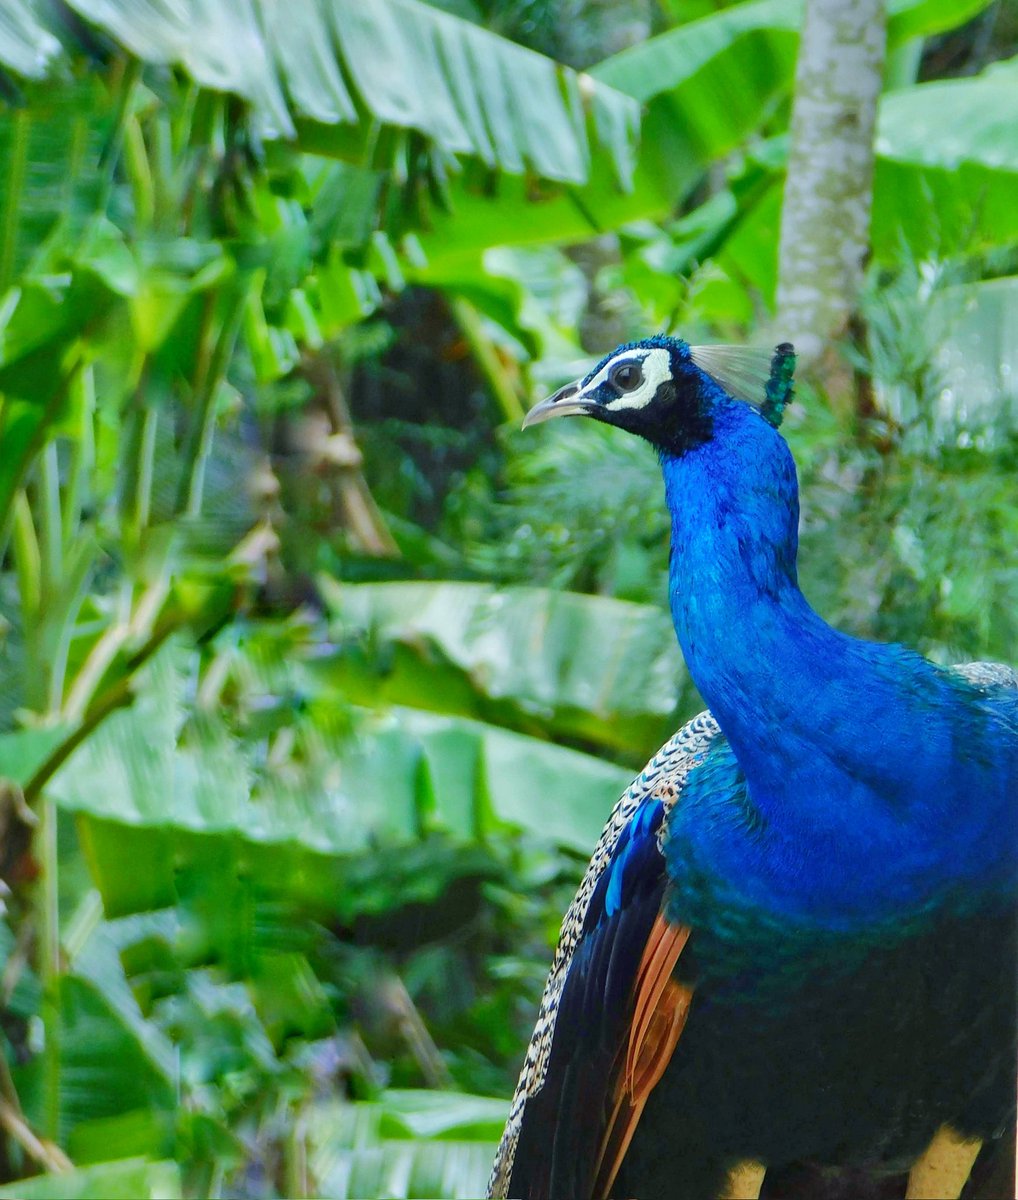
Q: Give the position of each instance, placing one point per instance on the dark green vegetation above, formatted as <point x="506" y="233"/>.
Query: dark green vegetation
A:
<point x="316" y="678"/>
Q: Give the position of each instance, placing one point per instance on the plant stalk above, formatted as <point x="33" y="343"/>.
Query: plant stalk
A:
<point x="49" y="963"/>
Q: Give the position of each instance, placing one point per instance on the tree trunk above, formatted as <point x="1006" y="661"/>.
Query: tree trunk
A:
<point x="825" y="218"/>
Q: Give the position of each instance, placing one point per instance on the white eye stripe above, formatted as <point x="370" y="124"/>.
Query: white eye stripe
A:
<point x="634" y="356"/>
<point x="656" y="365"/>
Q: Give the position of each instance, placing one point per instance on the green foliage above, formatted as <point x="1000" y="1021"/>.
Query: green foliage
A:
<point x="580" y="510"/>
<point x="309" y="717"/>
<point x="128" y="1179"/>
<point x="519" y="657"/>
<point x="315" y="72"/>
<point x="408" y="1143"/>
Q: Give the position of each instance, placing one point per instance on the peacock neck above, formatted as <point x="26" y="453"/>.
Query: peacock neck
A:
<point x="762" y="658"/>
<point x="859" y="760"/>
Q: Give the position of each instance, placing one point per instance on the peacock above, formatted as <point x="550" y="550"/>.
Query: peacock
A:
<point x="790" y="968"/>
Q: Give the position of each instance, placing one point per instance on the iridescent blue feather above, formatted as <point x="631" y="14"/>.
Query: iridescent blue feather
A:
<point x="835" y="843"/>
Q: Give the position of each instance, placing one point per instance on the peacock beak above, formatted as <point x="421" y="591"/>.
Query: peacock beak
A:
<point x="566" y="402"/>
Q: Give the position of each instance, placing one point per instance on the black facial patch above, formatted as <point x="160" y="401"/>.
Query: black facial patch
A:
<point x="675" y="421"/>
<point x="679" y="418"/>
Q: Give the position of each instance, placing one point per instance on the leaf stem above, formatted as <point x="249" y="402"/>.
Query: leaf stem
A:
<point x="15" y="178"/>
<point x="77" y="573"/>
<point x="141" y="425"/>
<point x="13" y="478"/>
<point x="139" y="172"/>
<point x="27" y="561"/>
<point x="28" y="568"/>
<point x="486" y="358"/>
<point x="50" y="530"/>
<point x="82" y="455"/>
<point x="214" y="355"/>
<point x="48" y="1155"/>
<point x="116" y="696"/>
<point x="125" y="74"/>
<point x="49" y="963"/>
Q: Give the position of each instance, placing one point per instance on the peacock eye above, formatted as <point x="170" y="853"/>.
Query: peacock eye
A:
<point x="627" y="377"/>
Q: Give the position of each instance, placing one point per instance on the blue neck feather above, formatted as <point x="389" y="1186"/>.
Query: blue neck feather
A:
<point x="861" y="760"/>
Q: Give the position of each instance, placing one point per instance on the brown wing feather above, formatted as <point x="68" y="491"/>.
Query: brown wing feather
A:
<point x="539" y="1127"/>
<point x="660" y="1008"/>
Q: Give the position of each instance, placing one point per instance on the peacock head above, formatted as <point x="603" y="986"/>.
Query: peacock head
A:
<point x="669" y="392"/>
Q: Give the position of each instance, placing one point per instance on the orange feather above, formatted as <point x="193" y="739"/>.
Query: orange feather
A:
<point x="660" y="1006"/>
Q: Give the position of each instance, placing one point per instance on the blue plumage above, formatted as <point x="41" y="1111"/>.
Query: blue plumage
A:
<point x="860" y="759"/>
<point x="636" y="846"/>
<point x="795" y="945"/>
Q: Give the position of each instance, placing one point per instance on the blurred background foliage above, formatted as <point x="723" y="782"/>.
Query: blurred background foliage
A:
<point x="317" y="680"/>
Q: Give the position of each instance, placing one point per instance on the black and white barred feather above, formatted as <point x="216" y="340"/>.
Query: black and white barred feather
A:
<point x="662" y="778"/>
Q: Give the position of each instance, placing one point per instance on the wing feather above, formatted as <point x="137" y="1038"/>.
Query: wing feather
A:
<point x="611" y="962"/>
<point x="660" y="1006"/>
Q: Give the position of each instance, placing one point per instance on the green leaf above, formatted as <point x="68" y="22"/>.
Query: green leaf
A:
<point x="24" y="998"/>
<point x="141" y="1133"/>
<point x="724" y="42"/>
<point x="50" y="159"/>
<point x="43" y="335"/>
<point x="581" y="666"/>
<point x="707" y="86"/>
<point x="407" y="774"/>
<point x="406" y="1144"/>
<point x="138" y="769"/>
<point x="47" y="316"/>
<point x="23" y="752"/>
<point x="947" y="166"/>
<point x="671" y="60"/>
<point x="171" y="809"/>
<point x="406" y="64"/>
<point x="945" y="179"/>
<point x="223" y="48"/>
<point x="710" y="83"/>
<point x="100" y="964"/>
<point x="128" y="1179"/>
<point x="102" y="1068"/>
<point x="908" y="19"/>
<point x="973" y="345"/>
<point x="289" y="999"/>
<point x="26" y="45"/>
<point x="299" y="40"/>
<point x="416" y="1112"/>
